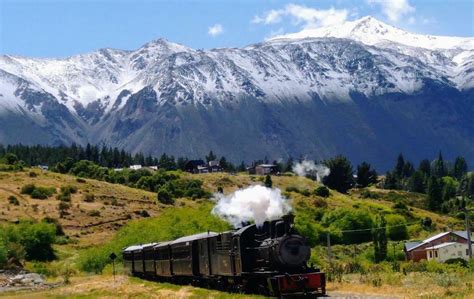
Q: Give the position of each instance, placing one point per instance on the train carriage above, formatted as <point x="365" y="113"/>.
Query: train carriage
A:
<point x="270" y="259"/>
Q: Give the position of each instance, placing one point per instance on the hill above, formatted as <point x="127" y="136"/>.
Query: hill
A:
<point x="121" y="222"/>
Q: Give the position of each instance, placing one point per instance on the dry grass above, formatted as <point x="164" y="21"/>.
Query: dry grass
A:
<point x="116" y="204"/>
<point x="104" y="286"/>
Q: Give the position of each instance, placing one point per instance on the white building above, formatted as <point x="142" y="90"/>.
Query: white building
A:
<point x="446" y="251"/>
<point x="135" y="167"/>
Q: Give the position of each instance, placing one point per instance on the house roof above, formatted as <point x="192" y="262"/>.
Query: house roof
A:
<point x="442" y="245"/>
<point x="462" y="234"/>
<point x="411" y="245"/>
<point x="266" y="165"/>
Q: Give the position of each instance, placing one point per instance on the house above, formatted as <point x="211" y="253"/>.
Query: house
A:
<point x="118" y="169"/>
<point x="264" y="169"/>
<point x="43" y="167"/>
<point x="417" y="251"/>
<point x="214" y="166"/>
<point x="447" y="251"/>
<point x="155" y="168"/>
<point x="135" y="167"/>
<point x="195" y="166"/>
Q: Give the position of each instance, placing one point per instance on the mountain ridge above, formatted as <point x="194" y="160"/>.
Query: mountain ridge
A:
<point x="308" y="96"/>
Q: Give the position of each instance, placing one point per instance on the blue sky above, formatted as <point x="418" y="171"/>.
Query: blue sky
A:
<point x="62" y="28"/>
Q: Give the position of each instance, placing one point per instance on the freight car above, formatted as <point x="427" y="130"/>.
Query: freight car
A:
<point x="270" y="260"/>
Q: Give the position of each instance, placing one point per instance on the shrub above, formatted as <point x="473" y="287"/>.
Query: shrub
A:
<point x="89" y="197"/>
<point x="94" y="213"/>
<point x="68" y="189"/>
<point x="32" y="174"/>
<point x="322" y="191"/>
<point x="348" y="219"/>
<point x="28" y="189"/>
<point x="459" y="261"/>
<point x="396" y="227"/>
<point x="37" y="194"/>
<point x="55" y="222"/>
<point x="164" y="196"/>
<point x="80" y="180"/>
<point x="13" y="200"/>
<point x="292" y="189"/>
<point x="144" y="213"/>
<point x="368" y="194"/>
<point x="64" y="197"/>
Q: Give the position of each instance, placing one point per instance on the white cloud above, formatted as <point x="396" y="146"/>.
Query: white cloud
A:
<point x="300" y="14"/>
<point x="394" y="9"/>
<point x="215" y="30"/>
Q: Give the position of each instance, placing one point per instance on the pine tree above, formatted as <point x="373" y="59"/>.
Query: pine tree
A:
<point x="460" y="168"/>
<point x="399" y="167"/>
<point x="211" y="157"/>
<point x="366" y="175"/>
<point x="340" y="176"/>
<point x="435" y="193"/>
<point x="439" y="168"/>
<point x="416" y="183"/>
<point x="425" y="167"/>
<point x="408" y="169"/>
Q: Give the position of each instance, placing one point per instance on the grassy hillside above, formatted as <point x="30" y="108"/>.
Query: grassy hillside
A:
<point x="115" y="218"/>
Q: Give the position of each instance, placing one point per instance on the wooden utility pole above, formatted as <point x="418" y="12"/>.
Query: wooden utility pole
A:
<point x="468" y="231"/>
<point x="329" y="249"/>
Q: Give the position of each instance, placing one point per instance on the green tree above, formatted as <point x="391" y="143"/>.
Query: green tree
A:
<point x="416" y="183"/>
<point x="396" y="227"/>
<point x="450" y="187"/>
<point x="391" y="181"/>
<point x="37" y="239"/>
<point x="11" y="158"/>
<point x="268" y="181"/>
<point x="398" y="171"/>
<point x="425" y="167"/>
<point x="408" y="169"/>
<point x="340" y="177"/>
<point x="380" y="239"/>
<point x="460" y="168"/>
<point x="211" y="157"/>
<point x="435" y="193"/>
<point x="439" y="168"/>
<point x="366" y="175"/>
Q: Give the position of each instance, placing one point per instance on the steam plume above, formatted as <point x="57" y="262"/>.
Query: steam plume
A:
<point x="309" y="168"/>
<point x="255" y="203"/>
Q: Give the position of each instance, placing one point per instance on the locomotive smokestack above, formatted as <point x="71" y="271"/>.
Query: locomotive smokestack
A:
<point x="289" y="220"/>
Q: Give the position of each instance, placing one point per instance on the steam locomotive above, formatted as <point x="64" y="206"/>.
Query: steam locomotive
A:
<point x="269" y="260"/>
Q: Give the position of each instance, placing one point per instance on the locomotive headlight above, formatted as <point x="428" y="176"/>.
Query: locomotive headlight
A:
<point x="293" y="251"/>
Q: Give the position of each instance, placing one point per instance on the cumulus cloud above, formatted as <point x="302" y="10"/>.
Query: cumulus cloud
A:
<point x="215" y="30"/>
<point x="307" y="16"/>
<point x="394" y="9"/>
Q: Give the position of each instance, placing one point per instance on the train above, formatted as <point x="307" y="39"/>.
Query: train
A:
<point x="270" y="259"/>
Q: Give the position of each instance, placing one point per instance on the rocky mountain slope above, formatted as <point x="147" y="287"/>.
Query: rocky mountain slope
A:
<point x="365" y="89"/>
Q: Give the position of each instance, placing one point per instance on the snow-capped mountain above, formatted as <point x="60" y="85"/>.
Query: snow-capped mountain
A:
<point x="317" y="93"/>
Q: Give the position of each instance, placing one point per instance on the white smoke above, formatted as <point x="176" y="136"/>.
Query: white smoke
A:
<point x="309" y="168"/>
<point x="255" y="203"/>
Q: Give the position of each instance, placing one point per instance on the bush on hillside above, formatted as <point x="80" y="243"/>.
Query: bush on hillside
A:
<point x="341" y="219"/>
<point x="28" y="189"/>
<point x="396" y="227"/>
<point x="164" y="196"/>
<point x="322" y="191"/>
<point x="13" y="200"/>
